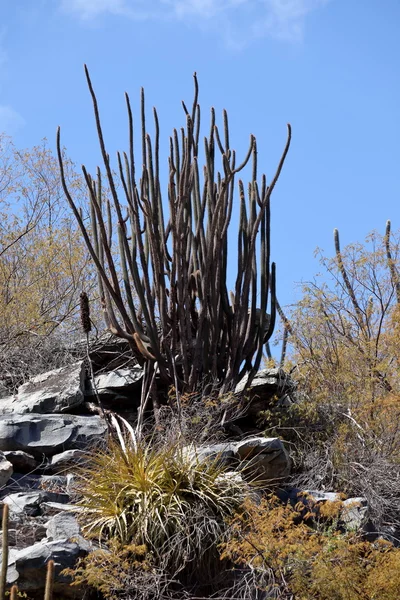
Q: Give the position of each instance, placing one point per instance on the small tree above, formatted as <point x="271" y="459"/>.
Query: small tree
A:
<point x="345" y="328"/>
<point x="172" y="304"/>
<point x="43" y="265"/>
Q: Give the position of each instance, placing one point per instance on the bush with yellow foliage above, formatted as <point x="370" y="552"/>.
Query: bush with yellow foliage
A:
<point x="43" y="264"/>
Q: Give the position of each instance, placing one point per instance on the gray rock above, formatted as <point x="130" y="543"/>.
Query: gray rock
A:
<point x="317" y="496"/>
<point x="63" y="526"/>
<point x="262" y="459"/>
<point x="267" y="459"/>
<point x="29" y="503"/>
<point x="21" y="461"/>
<point x="265" y="381"/>
<point x="355" y="514"/>
<point x="56" y="391"/>
<point x="6" y="469"/>
<point x="27" y="567"/>
<point x="50" y="434"/>
<point x="224" y="453"/>
<point x="59" y="462"/>
<point x="119" y="380"/>
<point x="50" y="509"/>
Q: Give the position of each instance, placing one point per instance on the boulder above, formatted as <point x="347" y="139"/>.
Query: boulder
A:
<point x="355" y="515"/>
<point x="39" y="434"/>
<point x="224" y="453"/>
<point x="267" y="459"/>
<point x="261" y="459"/>
<point x="63" y="526"/>
<point x="60" y="462"/>
<point x="57" y="391"/>
<point x="6" y="469"/>
<point x="266" y="382"/>
<point x="27" y="567"/>
<point x="21" y="461"/>
<point x="118" y="381"/>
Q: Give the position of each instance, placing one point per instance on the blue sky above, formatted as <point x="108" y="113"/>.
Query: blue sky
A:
<point x="329" y="67"/>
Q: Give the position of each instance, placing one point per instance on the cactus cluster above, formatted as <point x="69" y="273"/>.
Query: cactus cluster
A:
<point x="162" y="264"/>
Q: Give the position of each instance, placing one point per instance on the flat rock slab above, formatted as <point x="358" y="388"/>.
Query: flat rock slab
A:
<point x="60" y="462"/>
<point x="56" y="391"/>
<point x="27" y="567"/>
<point x="29" y="503"/>
<point x="39" y="434"/>
<point x="118" y="380"/>
<point x="266" y="381"/>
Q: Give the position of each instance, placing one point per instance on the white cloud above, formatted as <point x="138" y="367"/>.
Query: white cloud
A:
<point x="10" y="120"/>
<point x="235" y="19"/>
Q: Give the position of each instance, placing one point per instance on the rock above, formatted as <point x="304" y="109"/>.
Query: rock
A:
<point x="51" y="509"/>
<point x="63" y="526"/>
<point x="266" y="382"/>
<point x="224" y="453"/>
<point x="267" y="458"/>
<point x="8" y="405"/>
<point x="117" y="381"/>
<point x="355" y="515"/>
<point x="27" y="567"/>
<point x="21" y="461"/>
<point x="6" y="469"/>
<point x="262" y="459"/>
<point x="50" y="434"/>
<point x="29" y="503"/>
<point x="317" y="496"/>
<point x="56" y="391"/>
<point x="60" y="462"/>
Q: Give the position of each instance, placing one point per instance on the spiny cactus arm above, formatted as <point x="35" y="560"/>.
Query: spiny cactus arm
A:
<point x="14" y="593"/>
<point x="104" y="240"/>
<point x="48" y="592"/>
<point x="96" y="242"/>
<point x="4" y="557"/>
<point x="391" y="264"/>
<point x="104" y="154"/>
<point x="265" y="338"/>
<point x="114" y="194"/>
<point x="350" y="290"/>
<point x="264" y="203"/>
<point x="265" y="251"/>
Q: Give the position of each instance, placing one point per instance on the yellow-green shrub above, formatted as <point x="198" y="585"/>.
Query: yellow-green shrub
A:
<point x="311" y="563"/>
<point x="159" y="498"/>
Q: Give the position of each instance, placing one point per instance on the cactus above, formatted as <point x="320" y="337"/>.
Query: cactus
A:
<point x="4" y="557"/>
<point x="164" y="284"/>
<point x="391" y="263"/>
<point x="48" y="592"/>
<point x="14" y="593"/>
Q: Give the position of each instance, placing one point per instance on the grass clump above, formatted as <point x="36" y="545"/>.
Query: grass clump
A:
<point x="162" y="501"/>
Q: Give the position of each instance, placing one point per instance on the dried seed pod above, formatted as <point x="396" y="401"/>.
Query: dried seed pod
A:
<point x="85" y="313"/>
